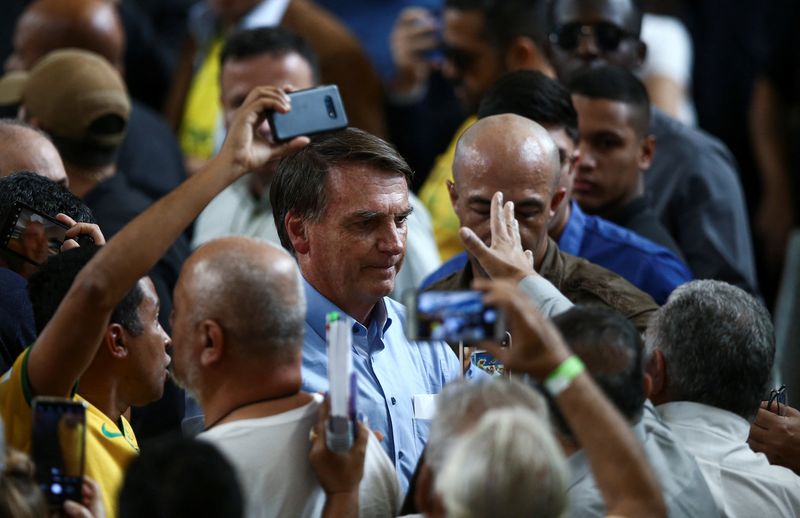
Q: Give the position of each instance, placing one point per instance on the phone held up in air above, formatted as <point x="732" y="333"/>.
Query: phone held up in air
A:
<point x="32" y="235"/>
<point x="58" y="445"/>
<point x="454" y="316"/>
<point x="314" y="110"/>
<point x="341" y="426"/>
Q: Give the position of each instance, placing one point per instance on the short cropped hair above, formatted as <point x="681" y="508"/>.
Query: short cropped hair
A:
<point x="460" y="405"/>
<point x="51" y="282"/>
<point x="611" y="348"/>
<point x="508" y="465"/>
<point x="533" y="95"/>
<point x="42" y="194"/>
<point x="275" y="41"/>
<point x="300" y="183"/>
<point x="718" y="345"/>
<point x="615" y="83"/>
<point x="508" y="19"/>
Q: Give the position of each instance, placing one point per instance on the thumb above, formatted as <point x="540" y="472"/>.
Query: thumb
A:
<point x="472" y="244"/>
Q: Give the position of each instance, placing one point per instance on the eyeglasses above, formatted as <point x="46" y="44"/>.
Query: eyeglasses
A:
<point x="607" y="36"/>
<point x="778" y="395"/>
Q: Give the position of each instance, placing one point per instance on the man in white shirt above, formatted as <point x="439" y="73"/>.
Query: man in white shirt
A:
<point x="239" y="319"/>
<point x="709" y="351"/>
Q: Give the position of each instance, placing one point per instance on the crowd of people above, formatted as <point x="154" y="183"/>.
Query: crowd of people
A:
<point x="168" y="266"/>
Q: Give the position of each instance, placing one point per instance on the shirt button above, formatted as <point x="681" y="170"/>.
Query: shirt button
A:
<point x="401" y="454"/>
<point x="394" y="401"/>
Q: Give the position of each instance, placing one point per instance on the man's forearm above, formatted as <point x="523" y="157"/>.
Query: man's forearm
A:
<point x="544" y="295"/>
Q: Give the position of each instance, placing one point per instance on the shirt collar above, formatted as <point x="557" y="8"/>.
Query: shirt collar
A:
<point x="319" y="306"/>
<point x="706" y="418"/>
<point x="572" y="235"/>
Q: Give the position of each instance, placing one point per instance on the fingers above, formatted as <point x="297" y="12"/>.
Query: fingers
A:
<point x="76" y="510"/>
<point x="497" y="222"/>
<point x="473" y="244"/>
<point x="63" y="218"/>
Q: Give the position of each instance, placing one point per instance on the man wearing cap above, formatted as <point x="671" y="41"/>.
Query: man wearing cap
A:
<point x="80" y="101"/>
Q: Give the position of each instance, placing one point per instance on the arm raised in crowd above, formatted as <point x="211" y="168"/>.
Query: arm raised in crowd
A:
<point x="617" y="461"/>
<point x="70" y="340"/>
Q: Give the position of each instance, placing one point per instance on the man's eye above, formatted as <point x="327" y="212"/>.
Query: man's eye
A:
<point x="401" y="220"/>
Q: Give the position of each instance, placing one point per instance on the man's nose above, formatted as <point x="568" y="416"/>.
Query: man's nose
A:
<point x="587" y="44"/>
<point x="586" y="160"/>
<point x="392" y="240"/>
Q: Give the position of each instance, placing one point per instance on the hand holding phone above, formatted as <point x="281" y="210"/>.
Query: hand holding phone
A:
<point x="314" y="110"/>
<point x="32" y="235"/>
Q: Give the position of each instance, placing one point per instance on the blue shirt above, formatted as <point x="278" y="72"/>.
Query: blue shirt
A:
<point x="648" y="266"/>
<point x="390" y="371"/>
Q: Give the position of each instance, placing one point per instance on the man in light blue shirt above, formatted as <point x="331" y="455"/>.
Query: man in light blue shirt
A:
<point x="340" y="207"/>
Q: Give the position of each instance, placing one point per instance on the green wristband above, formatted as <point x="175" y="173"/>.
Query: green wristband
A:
<point x="563" y="376"/>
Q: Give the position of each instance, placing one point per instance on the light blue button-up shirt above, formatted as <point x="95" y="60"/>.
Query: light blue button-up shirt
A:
<point x="390" y="370"/>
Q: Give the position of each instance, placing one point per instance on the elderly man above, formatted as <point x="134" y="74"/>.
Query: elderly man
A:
<point x="709" y="352"/>
<point x="341" y="206"/>
<point x="242" y="363"/>
<point x="518" y="158"/>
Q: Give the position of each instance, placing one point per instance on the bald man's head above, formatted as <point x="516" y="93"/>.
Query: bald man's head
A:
<point x="24" y="148"/>
<point x="251" y="289"/>
<point x="47" y="25"/>
<point x="517" y="157"/>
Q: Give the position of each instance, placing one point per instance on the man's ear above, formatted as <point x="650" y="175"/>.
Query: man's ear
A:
<point x="297" y="230"/>
<point x="555" y="202"/>
<point x="214" y="342"/>
<point x="641" y="53"/>
<point x="646" y="152"/>
<point x="451" y="190"/>
<point x="656" y="373"/>
<point x="523" y="53"/>
<point x="115" y="341"/>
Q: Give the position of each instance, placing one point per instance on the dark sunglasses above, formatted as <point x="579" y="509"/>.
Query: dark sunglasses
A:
<point x="460" y="59"/>
<point x="607" y="36"/>
<point x="778" y="396"/>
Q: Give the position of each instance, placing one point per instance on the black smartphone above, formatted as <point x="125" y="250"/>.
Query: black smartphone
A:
<point x="314" y="110"/>
<point x="58" y="446"/>
<point x="32" y="235"/>
<point x="454" y="316"/>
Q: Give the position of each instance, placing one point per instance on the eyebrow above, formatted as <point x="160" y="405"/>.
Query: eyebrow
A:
<point x="526" y="203"/>
<point x="365" y="214"/>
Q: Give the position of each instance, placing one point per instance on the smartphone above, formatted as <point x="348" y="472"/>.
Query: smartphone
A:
<point x="341" y="426"/>
<point x="32" y="235"/>
<point x="454" y="316"/>
<point x="315" y="110"/>
<point x="58" y="446"/>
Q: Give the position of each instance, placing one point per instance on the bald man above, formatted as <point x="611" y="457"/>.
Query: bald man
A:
<point x="517" y="158"/>
<point x="242" y="360"/>
<point x="149" y="157"/>
<point x="25" y="148"/>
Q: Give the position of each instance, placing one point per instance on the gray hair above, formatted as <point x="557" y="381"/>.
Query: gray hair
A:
<point x="460" y="405"/>
<point x="718" y="343"/>
<point x="508" y="465"/>
<point x="261" y="308"/>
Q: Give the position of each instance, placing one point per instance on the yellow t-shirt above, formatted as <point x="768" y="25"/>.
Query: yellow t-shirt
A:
<point x="202" y="110"/>
<point x="109" y="450"/>
<point x="435" y="196"/>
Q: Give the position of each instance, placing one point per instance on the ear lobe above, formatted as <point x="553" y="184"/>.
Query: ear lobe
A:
<point x="641" y="52"/>
<point x="451" y="190"/>
<point x="297" y="231"/>
<point x="558" y="198"/>
<point x="648" y="149"/>
<point x="656" y="377"/>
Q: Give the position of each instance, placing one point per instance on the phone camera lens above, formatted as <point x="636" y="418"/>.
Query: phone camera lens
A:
<point x="330" y="107"/>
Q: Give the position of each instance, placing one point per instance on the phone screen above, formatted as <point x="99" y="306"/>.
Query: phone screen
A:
<point x="58" y="443"/>
<point x="455" y="316"/>
<point x="32" y="235"/>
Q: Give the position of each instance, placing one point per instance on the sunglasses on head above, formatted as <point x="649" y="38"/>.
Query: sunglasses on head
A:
<point x="607" y="36"/>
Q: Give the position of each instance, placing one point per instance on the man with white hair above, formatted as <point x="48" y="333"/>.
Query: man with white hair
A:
<point x="709" y="352"/>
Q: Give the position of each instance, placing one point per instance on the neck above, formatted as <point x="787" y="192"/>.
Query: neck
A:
<point x="103" y="392"/>
<point x="83" y="180"/>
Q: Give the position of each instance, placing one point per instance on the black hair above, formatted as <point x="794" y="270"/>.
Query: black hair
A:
<point x="301" y="180"/>
<point x="611" y="348"/>
<point x="533" y="95"/>
<point x="507" y="19"/>
<point x="615" y="83"/>
<point x="276" y="41"/>
<point x="51" y="282"/>
<point x="181" y="478"/>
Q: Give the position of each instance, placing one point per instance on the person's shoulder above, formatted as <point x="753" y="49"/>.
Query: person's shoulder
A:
<point x="684" y="140"/>
<point x="630" y="243"/>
